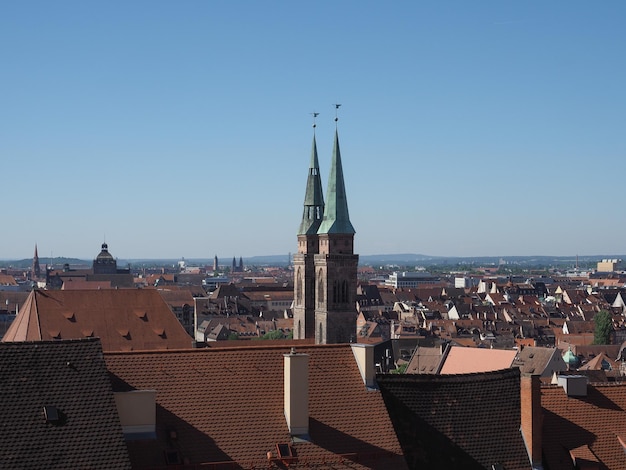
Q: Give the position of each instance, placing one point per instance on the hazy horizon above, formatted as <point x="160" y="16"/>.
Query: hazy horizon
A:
<point x="227" y="260"/>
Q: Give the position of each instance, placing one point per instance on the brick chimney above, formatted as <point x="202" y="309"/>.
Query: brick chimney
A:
<point x="531" y="414"/>
<point x="296" y="391"/>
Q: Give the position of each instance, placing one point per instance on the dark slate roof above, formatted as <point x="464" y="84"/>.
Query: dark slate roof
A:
<point x="465" y="421"/>
<point x="71" y="377"/>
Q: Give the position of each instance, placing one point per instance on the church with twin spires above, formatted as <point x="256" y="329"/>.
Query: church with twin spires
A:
<point x="325" y="266"/>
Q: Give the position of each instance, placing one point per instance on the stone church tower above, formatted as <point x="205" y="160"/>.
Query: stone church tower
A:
<point x="308" y="247"/>
<point x="325" y="267"/>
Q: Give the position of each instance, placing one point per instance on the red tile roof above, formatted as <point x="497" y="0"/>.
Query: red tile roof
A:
<point x="7" y="280"/>
<point x="124" y="319"/>
<point x="595" y="421"/>
<point x="82" y="284"/>
<point x="467" y="360"/>
<point x="226" y="404"/>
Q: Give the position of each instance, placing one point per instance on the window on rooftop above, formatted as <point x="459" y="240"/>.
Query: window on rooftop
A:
<point x="51" y="414"/>
<point x="285" y="451"/>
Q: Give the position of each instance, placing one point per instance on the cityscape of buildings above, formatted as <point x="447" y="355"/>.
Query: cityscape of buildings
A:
<point x="320" y="363"/>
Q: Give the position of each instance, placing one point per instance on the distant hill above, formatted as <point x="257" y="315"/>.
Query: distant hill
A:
<point x="56" y="262"/>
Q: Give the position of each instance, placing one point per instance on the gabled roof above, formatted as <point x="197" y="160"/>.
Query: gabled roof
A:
<point x="535" y="360"/>
<point x="425" y="360"/>
<point x="226" y="405"/>
<point x="597" y="421"/>
<point x="467" y="360"/>
<point x="457" y="422"/>
<point x="177" y="297"/>
<point x="7" y="280"/>
<point x="69" y="378"/>
<point x="601" y="362"/>
<point x="124" y="319"/>
<point x="226" y="290"/>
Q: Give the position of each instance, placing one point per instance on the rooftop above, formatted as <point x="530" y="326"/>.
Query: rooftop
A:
<point x="226" y="405"/>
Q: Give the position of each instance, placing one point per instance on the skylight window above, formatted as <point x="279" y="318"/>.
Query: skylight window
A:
<point x="51" y="414"/>
<point x="286" y="453"/>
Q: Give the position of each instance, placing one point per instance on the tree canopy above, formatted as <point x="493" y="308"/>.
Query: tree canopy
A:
<point x="603" y="326"/>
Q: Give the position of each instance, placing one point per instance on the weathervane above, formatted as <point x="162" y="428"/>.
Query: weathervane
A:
<point x="314" y="114"/>
<point x="336" y="108"/>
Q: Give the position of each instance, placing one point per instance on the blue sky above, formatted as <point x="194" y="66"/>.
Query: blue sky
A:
<point x="183" y="129"/>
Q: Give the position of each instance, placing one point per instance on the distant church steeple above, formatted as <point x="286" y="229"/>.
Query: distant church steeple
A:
<point x="336" y="216"/>
<point x="313" y="197"/>
<point x="36" y="268"/>
<point x="336" y="264"/>
<point x="308" y="246"/>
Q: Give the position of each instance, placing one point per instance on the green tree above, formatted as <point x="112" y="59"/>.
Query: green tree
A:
<point x="400" y="369"/>
<point x="604" y="324"/>
<point x="274" y="334"/>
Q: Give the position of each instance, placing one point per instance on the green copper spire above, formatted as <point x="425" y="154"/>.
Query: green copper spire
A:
<point x="313" y="198"/>
<point x="336" y="217"/>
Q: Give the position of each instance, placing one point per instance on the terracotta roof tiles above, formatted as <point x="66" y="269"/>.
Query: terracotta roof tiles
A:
<point x="226" y="404"/>
<point x="592" y="424"/>
<point x="466" y="360"/>
<point x="110" y="314"/>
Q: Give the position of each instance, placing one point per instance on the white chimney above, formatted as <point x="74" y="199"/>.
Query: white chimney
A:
<point x="297" y="392"/>
<point x="137" y="412"/>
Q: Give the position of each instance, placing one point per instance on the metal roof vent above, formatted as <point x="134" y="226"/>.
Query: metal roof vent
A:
<point x="574" y="385"/>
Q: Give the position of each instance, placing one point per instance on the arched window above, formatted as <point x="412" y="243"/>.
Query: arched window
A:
<point x="298" y="287"/>
<point x="320" y="287"/>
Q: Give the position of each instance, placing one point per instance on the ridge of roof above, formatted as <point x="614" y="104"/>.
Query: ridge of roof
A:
<point x="458" y="377"/>
<point x="261" y="347"/>
<point x="52" y="341"/>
